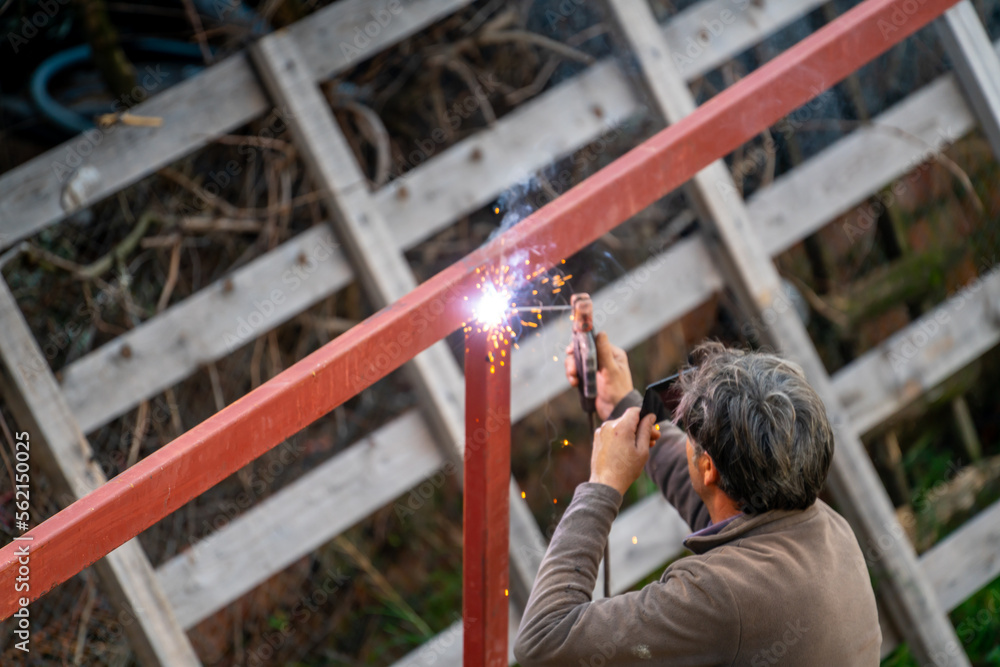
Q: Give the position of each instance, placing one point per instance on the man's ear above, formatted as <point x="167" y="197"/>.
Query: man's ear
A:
<point x="709" y="472"/>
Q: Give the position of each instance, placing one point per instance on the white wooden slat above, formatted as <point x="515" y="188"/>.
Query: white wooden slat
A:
<point x="966" y="560"/>
<point x="445" y="648"/>
<point x="843" y="175"/>
<point x="750" y="272"/>
<point x="100" y="162"/>
<point x="334" y="38"/>
<point x="707" y="34"/>
<point x="960" y="565"/>
<point x="300" y="518"/>
<point x="470" y="174"/>
<point x="378" y="261"/>
<point x="210" y="324"/>
<point x="220" y="99"/>
<point x="30" y="392"/>
<point x="976" y="64"/>
<point x="913" y="361"/>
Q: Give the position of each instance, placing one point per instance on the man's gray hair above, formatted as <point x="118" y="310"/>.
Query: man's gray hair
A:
<point x="765" y="428"/>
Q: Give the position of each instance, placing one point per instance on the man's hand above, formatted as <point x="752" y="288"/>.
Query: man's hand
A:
<point x="621" y="448"/>
<point x="614" y="379"/>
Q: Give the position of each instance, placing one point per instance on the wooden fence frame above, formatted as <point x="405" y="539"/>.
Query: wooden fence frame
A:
<point x="28" y="178"/>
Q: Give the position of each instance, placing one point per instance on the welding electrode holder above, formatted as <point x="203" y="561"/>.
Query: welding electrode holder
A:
<point x="585" y="356"/>
<point x="585" y="350"/>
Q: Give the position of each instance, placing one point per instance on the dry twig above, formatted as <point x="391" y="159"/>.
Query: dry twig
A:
<point x="81" y="633"/>
<point x="213" y="378"/>
<point x="172" y="274"/>
<point x="106" y="120"/>
<point x="199" y="31"/>
<point x="138" y="433"/>
<point x="526" y="37"/>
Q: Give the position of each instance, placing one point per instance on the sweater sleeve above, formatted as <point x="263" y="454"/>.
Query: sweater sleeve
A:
<point x="668" y="467"/>
<point x="633" y="399"/>
<point x="664" y="623"/>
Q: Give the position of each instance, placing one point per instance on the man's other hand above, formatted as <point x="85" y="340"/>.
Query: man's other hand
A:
<point x="614" y="379"/>
<point x="621" y="448"/>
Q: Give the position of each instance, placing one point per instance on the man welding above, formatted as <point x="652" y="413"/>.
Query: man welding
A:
<point x="775" y="575"/>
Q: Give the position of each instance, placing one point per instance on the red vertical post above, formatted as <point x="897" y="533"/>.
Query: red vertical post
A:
<point x="486" y="511"/>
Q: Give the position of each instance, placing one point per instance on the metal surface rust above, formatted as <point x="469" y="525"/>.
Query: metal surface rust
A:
<point x="167" y="479"/>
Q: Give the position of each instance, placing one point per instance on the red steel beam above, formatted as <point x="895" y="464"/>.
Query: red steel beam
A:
<point x="222" y="444"/>
<point x="486" y="508"/>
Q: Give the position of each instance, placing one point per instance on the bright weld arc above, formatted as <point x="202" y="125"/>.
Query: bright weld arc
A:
<point x="492" y="311"/>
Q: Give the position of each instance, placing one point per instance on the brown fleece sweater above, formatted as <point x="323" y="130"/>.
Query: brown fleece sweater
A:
<point x="788" y="587"/>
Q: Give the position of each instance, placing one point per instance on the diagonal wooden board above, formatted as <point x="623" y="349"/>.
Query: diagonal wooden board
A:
<point x="754" y="278"/>
<point x="380" y="264"/>
<point x="30" y="391"/>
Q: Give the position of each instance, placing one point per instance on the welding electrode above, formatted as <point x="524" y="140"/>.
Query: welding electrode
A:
<point x="585" y="356"/>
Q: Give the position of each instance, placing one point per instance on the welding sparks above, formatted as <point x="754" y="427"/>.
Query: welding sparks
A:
<point x="496" y="311"/>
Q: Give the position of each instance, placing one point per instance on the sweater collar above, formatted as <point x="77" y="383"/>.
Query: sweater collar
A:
<point x="714" y="528"/>
<point x="741" y="525"/>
